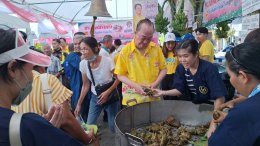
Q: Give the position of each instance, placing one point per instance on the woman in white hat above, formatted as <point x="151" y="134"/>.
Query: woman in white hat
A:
<point x="171" y="63"/>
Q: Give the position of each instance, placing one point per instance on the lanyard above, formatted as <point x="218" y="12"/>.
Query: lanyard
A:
<point x="255" y="91"/>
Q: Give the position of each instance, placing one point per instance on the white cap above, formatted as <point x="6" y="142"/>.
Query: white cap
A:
<point x="169" y="37"/>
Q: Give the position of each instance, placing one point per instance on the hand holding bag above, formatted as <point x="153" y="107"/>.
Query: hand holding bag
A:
<point x="113" y="97"/>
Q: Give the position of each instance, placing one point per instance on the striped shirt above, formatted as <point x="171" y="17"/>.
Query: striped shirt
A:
<point x="35" y="102"/>
<point x="190" y="82"/>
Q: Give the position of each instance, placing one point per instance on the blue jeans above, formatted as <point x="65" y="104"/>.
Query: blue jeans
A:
<point x="95" y="110"/>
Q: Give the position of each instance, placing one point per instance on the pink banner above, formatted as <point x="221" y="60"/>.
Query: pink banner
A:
<point x="145" y="9"/>
<point x="48" y="41"/>
<point x="58" y="26"/>
<point x="118" y="29"/>
<point x="219" y="8"/>
<point x="26" y="15"/>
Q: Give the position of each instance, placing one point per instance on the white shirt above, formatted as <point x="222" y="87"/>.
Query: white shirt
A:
<point x="103" y="52"/>
<point x="102" y="74"/>
<point x="117" y="51"/>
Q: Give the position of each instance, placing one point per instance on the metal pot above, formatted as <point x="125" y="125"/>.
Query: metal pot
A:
<point x="146" y="113"/>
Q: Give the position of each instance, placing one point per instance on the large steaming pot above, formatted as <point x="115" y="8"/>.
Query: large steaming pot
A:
<point x="146" y="113"/>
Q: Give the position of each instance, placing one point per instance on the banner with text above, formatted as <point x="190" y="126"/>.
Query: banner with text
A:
<point x="220" y="10"/>
<point x="145" y="9"/>
<point x="121" y="29"/>
<point x="249" y="6"/>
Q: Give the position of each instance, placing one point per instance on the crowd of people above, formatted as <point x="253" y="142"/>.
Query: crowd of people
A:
<point x="55" y="86"/>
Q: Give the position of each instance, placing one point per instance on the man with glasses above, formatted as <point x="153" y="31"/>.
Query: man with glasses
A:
<point x="140" y="63"/>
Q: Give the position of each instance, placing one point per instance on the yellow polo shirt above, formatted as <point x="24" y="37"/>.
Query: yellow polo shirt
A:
<point x="63" y="56"/>
<point x="35" y="101"/>
<point x="139" y="68"/>
<point x="207" y="49"/>
<point x="136" y="19"/>
<point x="171" y="63"/>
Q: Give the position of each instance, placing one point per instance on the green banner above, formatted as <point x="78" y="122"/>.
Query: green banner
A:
<point x="218" y="11"/>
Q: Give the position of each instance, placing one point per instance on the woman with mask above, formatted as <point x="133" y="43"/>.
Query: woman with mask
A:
<point x="102" y="69"/>
<point x="241" y="126"/>
<point x="16" y="64"/>
<point x="197" y="79"/>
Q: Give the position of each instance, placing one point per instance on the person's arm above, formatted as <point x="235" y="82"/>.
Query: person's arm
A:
<point x="172" y="92"/>
<point x="35" y="130"/>
<point x="138" y="88"/>
<point x="72" y="126"/>
<point x="159" y="78"/>
<point x="232" y="103"/>
<point x="213" y="125"/>
<point x="179" y="84"/>
<point x="162" y="67"/>
<point x="104" y="95"/>
<point x="83" y="93"/>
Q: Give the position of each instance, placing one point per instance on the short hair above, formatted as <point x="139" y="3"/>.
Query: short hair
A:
<point x="79" y="33"/>
<point x="56" y="40"/>
<point x="63" y="39"/>
<point x="202" y="30"/>
<point x="144" y="21"/>
<point x="191" y="45"/>
<point x="79" y="37"/>
<point x="117" y="42"/>
<point x="138" y="5"/>
<point x="107" y="38"/>
<point x="47" y="46"/>
<point x="253" y="36"/>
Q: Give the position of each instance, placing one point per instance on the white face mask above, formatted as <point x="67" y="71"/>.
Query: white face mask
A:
<point x="24" y="91"/>
<point x="93" y="58"/>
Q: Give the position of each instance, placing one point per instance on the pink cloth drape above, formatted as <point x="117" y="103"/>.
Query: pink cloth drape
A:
<point x="26" y="15"/>
<point x="61" y="29"/>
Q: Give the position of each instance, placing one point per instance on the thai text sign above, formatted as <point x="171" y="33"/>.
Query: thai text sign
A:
<point x="117" y="29"/>
<point x="220" y="10"/>
<point x="249" y="6"/>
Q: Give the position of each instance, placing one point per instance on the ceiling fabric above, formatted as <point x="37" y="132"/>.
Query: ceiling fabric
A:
<point x="74" y="10"/>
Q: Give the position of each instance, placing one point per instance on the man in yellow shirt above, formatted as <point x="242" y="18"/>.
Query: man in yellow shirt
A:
<point x="140" y="63"/>
<point x="138" y="15"/>
<point x="206" y="49"/>
<point x="64" y="45"/>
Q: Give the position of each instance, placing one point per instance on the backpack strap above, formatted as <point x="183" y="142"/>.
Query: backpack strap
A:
<point x="14" y="130"/>
<point x="46" y="90"/>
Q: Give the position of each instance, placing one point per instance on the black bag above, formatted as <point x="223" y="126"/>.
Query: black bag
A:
<point x="113" y="97"/>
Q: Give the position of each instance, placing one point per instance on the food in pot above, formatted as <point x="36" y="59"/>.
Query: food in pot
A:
<point x="173" y="121"/>
<point x="166" y="134"/>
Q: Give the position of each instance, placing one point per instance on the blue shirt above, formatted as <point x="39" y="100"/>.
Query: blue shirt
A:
<point x="35" y="131"/>
<point x="241" y="127"/>
<point x="72" y="62"/>
<point x="207" y="82"/>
